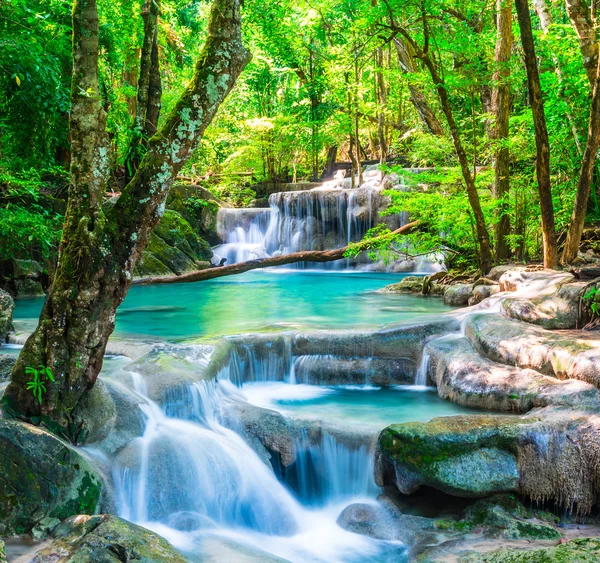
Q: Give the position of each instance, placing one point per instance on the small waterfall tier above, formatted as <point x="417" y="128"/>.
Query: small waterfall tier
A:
<point x="324" y="218"/>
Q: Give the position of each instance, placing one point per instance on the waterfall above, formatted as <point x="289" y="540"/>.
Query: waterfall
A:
<point x="191" y="473"/>
<point x="330" y="471"/>
<point x="319" y="219"/>
<point x="423" y="369"/>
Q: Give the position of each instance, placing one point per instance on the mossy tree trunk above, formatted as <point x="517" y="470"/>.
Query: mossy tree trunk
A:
<point x="542" y="163"/>
<point x="99" y="250"/>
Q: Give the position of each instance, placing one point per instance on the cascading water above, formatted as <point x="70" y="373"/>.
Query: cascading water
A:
<point x="319" y="219"/>
<point x="423" y="369"/>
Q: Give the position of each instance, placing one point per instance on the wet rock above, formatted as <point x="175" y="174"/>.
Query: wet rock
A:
<point x="498" y="271"/>
<point x="270" y="428"/>
<point x="410" y="284"/>
<point x="463" y="456"/>
<point x="95" y="414"/>
<point x="166" y="369"/>
<point x="580" y="550"/>
<point x="539" y="281"/>
<point x="462" y="376"/>
<point x="504" y="516"/>
<point x="7" y="306"/>
<point x="521" y="344"/>
<point x="384" y="521"/>
<point x="7" y="362"/>
<point x="458" y="295"/>
<point x="220" y="550"/>
<point x="107" y="539"/>
<point x="482" y="292"/>
<point x="41" y="477"/>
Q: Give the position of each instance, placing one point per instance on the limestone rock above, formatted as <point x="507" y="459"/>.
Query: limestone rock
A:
<point x="458" y="295"/>
<point x="410" y="284"/>
<point x="580" y="550"/>
<point x="464" y="377"/>
<point x="482" y="292"/>
<point x="106" y="539"/>
<point x="41" y="477"/>
<point x="7" y="306"/>
<point x="464" y="456"/>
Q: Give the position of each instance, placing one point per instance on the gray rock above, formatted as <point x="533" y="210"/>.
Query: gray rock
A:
<point x="106" y="539"/>
<point x="41" y="477"/>
<point x="95" y="414"/>
<point x="7" y="306"/>
<point x="7" y="362"/>
<point x="458" y="295"/>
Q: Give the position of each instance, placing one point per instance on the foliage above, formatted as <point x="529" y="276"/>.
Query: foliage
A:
<point x="37" y="385"/>
<point x="593" y="298"/>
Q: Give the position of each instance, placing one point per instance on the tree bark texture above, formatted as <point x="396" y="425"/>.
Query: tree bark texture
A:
<point x="500" y="131"/>
<point x="99" y="250"/>
<point x="541" y="136"/>
<point x="585" y="178"/>
<point x="428" y="117"/>
<point x="581" y="18"/>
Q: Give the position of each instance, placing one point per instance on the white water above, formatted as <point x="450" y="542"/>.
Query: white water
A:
<point x="423" y="369"/>
<point x="189" y="477"/>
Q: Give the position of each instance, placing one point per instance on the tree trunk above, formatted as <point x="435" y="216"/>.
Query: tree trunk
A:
<point x="581" y="18"/>
<point x="281" y="260"/>
<point x="382" y="99"/>
<point x="541" y="136"/>
<point x="483" y="238"/>
<point x="149" y="88"/>
<point x="99" y="251"/>
<point x="500" y="131"/>
<point x="543" y="13"/>
<point x="417" y="97"/>
<point x="585" y="178"/>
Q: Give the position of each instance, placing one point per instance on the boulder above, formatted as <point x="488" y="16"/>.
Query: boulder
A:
<point x="458" y="295"/>
<point x="177" y="232"/>
<point x="384" y="521"/>
<point x="42" y="478"/>
<point x="504" y="516"/>
<point x="482" y="292"/>
<point x="106" y="539"/>
<point x="579" y="550"/>
<point x="7" y="362"/>
<point x="550" y="455"/>
<point x="95" y="414"/>
<point x="7" y="306"/>
<point x="410" y="284"/>
<point x="166" y="371"/>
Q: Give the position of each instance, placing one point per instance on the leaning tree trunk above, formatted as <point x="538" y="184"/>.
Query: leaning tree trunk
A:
<point x="541" y="136"/>
<point x="585" y="178"/>
<point x="500" y="132"/>
<point x="543" y="12"/>
<point x="99" y="250"/>
<point x="581" y="18"/>
<point x="406" y="62"/>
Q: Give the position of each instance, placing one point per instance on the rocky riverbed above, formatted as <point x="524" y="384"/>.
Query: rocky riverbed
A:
<point x="516" y="482"/>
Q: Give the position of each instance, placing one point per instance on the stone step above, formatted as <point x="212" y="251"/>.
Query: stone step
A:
<point x="564" y="354"/>
<point x="463" y="376"/>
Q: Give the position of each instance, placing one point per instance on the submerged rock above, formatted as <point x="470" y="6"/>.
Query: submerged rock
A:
<point x="107" y="539"/>
<point x="41" y="478"/>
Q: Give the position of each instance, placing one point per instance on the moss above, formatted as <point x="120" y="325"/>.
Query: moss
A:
<point x="581" y="550"/>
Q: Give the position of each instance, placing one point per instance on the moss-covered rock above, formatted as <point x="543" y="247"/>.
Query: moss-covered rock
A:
<point x="7" y="362"/>
<point x="106" y="539"/>
<point x="410" y="284"/>
<point x="7" y="306"/>
<point x="41" y="478"/>
<point x="95" y="414"/>
<point x="173" y="248"/>
<point x="580" y="550"/>
<point x="504" y="516"/>
<point x="469" y="456"/>
<point x="177" y="232"/>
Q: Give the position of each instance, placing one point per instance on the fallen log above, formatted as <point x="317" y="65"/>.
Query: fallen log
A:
<point x="281" y="260"/>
